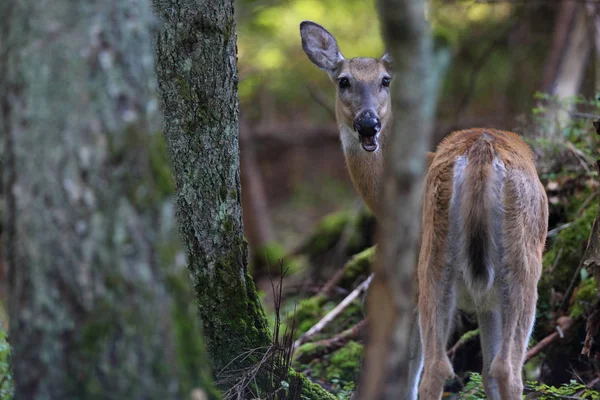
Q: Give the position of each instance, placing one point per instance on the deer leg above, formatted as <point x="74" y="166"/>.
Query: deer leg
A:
<point x="489" y="332"/>
<point x="502" y="368"/>
<point x="523" y="332"/>
<point x="415" y="365"/>
<point x="436" y="309"/>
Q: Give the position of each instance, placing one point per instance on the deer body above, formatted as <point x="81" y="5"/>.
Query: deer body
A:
<point x="485" y="220"/>
<point x="484" y="225"/>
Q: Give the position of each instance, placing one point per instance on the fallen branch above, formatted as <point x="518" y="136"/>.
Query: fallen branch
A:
<point x="564" y="323"/>
<point x="319" y="326"/>
<point x="467" y="337"/>
<point x="328" y="346"/>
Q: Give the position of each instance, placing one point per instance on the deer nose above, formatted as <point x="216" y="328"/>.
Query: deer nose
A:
<point x="367" y="124"/>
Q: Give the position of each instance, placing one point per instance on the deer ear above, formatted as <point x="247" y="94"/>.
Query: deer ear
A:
<point x="388" y="61"/>
<point x="320" y="46"/>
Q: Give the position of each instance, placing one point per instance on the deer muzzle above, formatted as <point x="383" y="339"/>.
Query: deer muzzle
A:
<point x="367" y="125"/>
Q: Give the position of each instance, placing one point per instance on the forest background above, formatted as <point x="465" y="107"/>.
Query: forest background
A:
<point x="532" y="67"/>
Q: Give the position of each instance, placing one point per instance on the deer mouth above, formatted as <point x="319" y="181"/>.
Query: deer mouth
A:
<point x="369" y="143"/>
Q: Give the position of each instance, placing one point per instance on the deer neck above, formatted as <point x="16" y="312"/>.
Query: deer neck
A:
<point x="366" y="169"/>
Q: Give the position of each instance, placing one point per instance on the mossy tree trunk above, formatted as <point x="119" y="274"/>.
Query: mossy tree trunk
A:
<point x="197" y="71"/>
<point x="91" y="310"/>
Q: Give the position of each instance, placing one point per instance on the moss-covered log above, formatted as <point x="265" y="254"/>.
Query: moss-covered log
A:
<point x="92" y="312"/>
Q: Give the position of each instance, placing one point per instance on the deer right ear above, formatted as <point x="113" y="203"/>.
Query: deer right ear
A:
<point x="320" y="46"/>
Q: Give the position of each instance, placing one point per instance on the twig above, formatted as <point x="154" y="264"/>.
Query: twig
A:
<point x="328" y="346"/>
<point x="319" y="326"/>
<point x="555" y="231"/>
<point x="583" y="159"/>
<point x="564" y="323"/>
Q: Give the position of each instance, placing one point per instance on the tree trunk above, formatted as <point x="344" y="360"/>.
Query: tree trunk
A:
<point x="197" y="73"/>
<point x="565" y="68"/>
<point x="390" y="300"/>
<point x="93" y="313"/>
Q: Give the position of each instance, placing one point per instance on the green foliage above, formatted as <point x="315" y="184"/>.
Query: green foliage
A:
<point x="545" y="392"/>
<point x="473" y="390"/>
<point x="6" y="382"/>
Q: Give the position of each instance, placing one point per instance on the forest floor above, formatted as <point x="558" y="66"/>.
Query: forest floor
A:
<point x="333" y="261"/>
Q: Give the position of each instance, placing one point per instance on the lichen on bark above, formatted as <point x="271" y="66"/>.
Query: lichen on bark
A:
<point x="91" y="315"/>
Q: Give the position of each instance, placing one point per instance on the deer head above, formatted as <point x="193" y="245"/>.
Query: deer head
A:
<point x="363" y="106"/>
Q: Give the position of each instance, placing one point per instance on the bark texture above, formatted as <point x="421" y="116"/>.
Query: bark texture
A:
<point x="197" y="71"/>
<point x="92" y="314"/>
<point x="390" y="300"/>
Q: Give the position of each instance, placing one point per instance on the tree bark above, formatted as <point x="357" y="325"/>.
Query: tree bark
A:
<point x="571" y="46"/>
<point x="390" y="300"/>
<point x="93" y="313"/>
<point x="198" y="78"/>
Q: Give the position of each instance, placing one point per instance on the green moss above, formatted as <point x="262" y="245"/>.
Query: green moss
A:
<point x="359" y="266"/>
<point x="355" y="228"/>
<point x="562" y="259"/>
<point x="302" y="388"/>
<point x="268" y="257"/>
<point x="308" y="313"/>
<point x="160" y="167"/>
<point x="7" y="387"/>
<point x="195" y="366"/>
<point x="339" y="368"/>
<point x="584" y="296"/>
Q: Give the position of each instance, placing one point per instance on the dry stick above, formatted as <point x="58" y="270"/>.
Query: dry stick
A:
<point x="564" y="323"/>
<point x="328" y="346"/>
<point x="319" y="326"/>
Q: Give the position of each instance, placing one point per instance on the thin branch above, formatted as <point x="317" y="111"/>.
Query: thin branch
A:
<point x="559" y="228"/>
<point x="467" y="337"/>
<point x="564" y="323"/>
<point x="319" y="326"/>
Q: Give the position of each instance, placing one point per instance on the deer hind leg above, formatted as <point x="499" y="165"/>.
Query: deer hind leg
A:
<point x="524" y="327"/>
<point x="489" y="331"/>
<point x="436" y="309"/>
<point x="515" y="316"/>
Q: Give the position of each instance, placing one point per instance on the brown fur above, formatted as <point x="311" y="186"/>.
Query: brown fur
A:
<point x="523" y="237"/>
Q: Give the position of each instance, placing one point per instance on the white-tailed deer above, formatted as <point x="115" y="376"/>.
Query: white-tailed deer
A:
<point x="484" y="225"/>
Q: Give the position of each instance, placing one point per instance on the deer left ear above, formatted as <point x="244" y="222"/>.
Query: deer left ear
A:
<point x="388" y="61"/>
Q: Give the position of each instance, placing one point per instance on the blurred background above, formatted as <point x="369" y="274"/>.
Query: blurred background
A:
<point x="503" y="53"/>
<point x="525" y="66"/>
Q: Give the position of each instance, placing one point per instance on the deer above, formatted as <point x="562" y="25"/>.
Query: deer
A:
<point x="483" y="230"/>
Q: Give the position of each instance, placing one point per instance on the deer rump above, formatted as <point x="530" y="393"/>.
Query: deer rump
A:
<point x="476" y="216"/>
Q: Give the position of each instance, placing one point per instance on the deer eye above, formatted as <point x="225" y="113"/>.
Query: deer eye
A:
<point x="385" y="82"/>
<point x="343" y="82"/>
